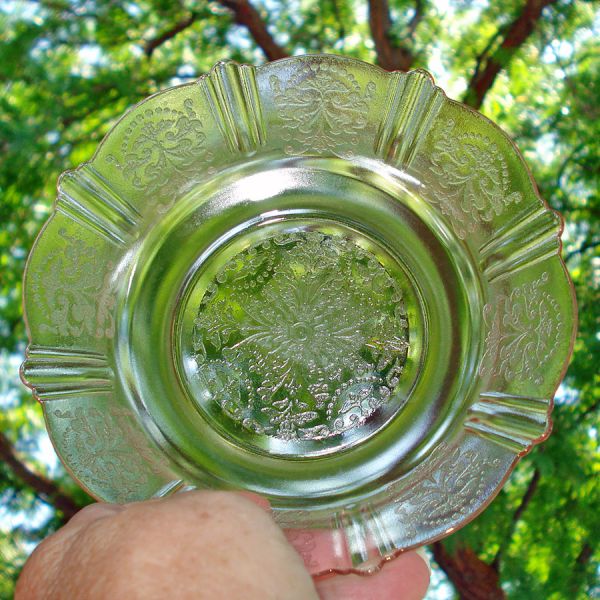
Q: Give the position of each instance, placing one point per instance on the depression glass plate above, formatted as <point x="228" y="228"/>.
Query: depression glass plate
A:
<point x="314" y="279"/>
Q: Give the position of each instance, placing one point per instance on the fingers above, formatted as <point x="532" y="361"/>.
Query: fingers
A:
<point x="143" y="550"/>
<point x="403" y="578"/>
<point x="93" y="512"/>
<point x="40" y="572"/>
<point x="196" y="545"/>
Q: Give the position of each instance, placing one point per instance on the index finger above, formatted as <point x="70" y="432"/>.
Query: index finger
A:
<point x="403" y="578"/>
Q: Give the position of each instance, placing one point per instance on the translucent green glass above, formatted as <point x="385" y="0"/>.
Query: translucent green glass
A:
<point x="313" y="279"/>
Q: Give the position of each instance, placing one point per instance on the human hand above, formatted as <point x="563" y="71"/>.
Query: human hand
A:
<point x="200" y="545"/>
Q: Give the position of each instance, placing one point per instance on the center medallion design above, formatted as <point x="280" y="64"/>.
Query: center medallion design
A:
<point x="302" y="336"/>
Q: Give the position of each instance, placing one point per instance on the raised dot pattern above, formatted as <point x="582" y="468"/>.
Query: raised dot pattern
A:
<point x="302" y="336"/>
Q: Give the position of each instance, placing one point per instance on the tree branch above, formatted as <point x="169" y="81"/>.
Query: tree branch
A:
<point x="488" y="47"/>
<point x="473" y="579"/>
<point x="44" y="488"/>
<point x="340" y="21"/>
<point x="590" y="410"/>
<point x="66" y="7"/>
<point x="416" y="19"/>
<point x="565" y="163"/>
<point x="380" y="23"/>
<point x="491" y="64"/>
<point x="391" y="56"/>
<point x="586" y="245"/>
<point x="245" y="14"/>
<point x="525" y="500"/>
<point x="152" y="44"/>
<point x="580" y="567"/>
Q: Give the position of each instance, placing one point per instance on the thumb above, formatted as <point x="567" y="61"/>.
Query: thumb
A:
<point x="403" y="578"/>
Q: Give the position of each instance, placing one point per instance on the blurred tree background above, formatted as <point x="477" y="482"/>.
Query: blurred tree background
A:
<point x="70" y="68"/>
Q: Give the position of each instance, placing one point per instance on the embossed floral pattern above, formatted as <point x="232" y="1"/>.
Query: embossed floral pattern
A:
<point x="107" y="449"/>
<point x="303" y="541"/>
<point x="448" y="487"/>
<point x="161" y="147"/>
<point x="73" y="297"/>
<point x="323" y="108"/>
<point x="524" y="329"/>
<point x="473" y="177"/>
<point x="303" y="336"/>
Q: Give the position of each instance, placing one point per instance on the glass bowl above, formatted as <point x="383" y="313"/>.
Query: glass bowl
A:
<point x="315" y="280"/>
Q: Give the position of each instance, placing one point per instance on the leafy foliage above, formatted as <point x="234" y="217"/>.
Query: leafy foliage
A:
<point x="70" y="68"/>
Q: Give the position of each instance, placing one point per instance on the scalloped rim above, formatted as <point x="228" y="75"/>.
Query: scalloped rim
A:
<point x="473" y="114"/>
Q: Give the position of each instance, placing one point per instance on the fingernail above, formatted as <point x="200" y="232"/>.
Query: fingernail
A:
<point x="423" y="554"/>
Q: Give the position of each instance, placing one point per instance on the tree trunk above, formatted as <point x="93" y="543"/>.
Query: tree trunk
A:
<point x="489" y="65"/>
<point x="472" y="578"/>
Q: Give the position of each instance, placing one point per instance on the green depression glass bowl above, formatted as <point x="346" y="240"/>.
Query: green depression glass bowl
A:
<point x="313" y="279"/>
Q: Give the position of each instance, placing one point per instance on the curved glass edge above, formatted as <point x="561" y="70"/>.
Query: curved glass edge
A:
<point x="88" y="186"/>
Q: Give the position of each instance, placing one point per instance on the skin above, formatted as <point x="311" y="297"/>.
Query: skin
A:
<point x="200" y="545"/>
